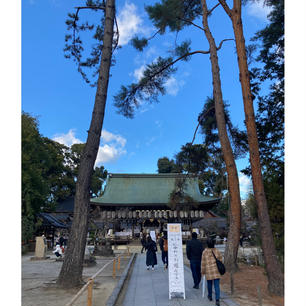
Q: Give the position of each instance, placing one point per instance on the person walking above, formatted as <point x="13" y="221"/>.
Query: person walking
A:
<point x="210" y="270"/>
<point x="143" y="241"/>
<point x="151" y="249"/>
<point x="163" y="244"/>
<point x="194" y="249"/>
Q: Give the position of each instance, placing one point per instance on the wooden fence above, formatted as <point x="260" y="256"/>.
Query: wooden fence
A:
<point x="90" y="282"/>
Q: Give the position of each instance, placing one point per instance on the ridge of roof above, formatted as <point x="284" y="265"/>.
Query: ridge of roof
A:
<point x="136" y="189"/>
<point x="150" y="175"/>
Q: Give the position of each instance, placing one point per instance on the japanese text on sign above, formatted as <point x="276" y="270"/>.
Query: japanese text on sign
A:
<point x="175" y="259"/>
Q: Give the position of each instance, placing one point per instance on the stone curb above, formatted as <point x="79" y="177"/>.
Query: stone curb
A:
<point x="114" y="296"/>
<point x="223" y="296"/>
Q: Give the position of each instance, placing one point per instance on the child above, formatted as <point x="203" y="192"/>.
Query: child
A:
<point x="58" y="251"/>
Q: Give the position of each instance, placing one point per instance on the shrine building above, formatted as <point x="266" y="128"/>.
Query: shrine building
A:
<point x="134" y="203"/>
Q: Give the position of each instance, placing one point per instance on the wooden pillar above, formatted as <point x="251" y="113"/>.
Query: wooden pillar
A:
<point x="133" y="229"/>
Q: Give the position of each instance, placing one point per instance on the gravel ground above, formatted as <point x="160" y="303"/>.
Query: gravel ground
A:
<point x="38" y="282"/>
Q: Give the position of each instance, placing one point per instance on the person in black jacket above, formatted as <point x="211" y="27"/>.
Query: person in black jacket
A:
<point x="163" y="244"/>
<point x="143" y="241"/>
<point x="151" y="259"/>
<point x="194" y="249"/>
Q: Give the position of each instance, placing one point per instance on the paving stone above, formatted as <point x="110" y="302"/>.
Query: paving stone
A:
<point x="150" y="288"/>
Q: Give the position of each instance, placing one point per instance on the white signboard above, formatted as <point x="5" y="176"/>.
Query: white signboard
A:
<point x="175" y="261"/>
<point x="153" y="236"/>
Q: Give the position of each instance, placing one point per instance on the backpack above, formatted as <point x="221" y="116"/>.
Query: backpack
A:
<point x="165" y="245"/>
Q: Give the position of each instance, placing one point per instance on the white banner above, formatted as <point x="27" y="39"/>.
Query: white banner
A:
<point x="175" y="260"/>
<point x="153" y="236"/>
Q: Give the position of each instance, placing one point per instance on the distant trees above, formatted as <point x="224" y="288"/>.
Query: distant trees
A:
<point x="165" y="165"/>
<point x="49" y="171"/>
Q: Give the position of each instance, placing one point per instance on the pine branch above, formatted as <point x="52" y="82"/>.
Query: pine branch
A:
<point x="202" y="117"/>
<point x="211" y="10"/>
<point x="157" y="32"/>
<point x="117" y="39"/>
<point x="89" y="7"/>
<point x="222" y="41"/>
<point x="190" y="22"/>
<point x="167" y="66"/>
<point x="226" y="8"/>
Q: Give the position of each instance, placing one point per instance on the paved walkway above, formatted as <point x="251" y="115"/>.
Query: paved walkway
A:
<point x="150" y="288"/>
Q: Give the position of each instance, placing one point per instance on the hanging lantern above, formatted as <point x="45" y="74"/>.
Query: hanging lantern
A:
<point x="134" y="214"/>
<point x="113" y="214"/>
<point x="186" y="214"/>
<point x="196" y="214"/>
<point x="109" y="215"/>
<point x="160" y="214"/>
<point x="192" y="214"/>
<point x="171" y="213"/>
<point x="181" y="214"/>
<point x="155" y="214"/>
<point x="103" y="214"/>
<point x="140" y="214"/>
<point x="149" y="214"/>
<point x="119" y="214"/>
<point x="201" y="213"/>
<point x="165" y="214"/>
<point x="130" y="214"/>
<point x="175" y="214"/>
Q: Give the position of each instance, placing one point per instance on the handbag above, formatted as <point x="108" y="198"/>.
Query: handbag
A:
<point x="220" y="265"/>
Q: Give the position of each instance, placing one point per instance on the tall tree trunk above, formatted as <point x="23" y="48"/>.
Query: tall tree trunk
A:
<point x="233" y="182"/>
<point x="273" y="268"/>
<point x="72" y="268"/>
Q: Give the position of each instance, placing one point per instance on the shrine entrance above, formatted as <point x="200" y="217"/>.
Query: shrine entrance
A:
<point x="151" y="225"/>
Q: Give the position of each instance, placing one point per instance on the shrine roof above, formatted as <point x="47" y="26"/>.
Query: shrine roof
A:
<point x="149" y="189"/>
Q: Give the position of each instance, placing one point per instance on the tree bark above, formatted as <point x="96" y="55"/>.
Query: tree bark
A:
<point x="233" y="182"/>
<point x="72" y="268"/>
<point x="273" y="268"/>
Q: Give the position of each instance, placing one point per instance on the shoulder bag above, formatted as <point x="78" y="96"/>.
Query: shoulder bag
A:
<point x="220" y="265"/>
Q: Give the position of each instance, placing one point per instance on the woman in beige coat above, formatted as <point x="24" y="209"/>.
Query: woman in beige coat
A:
<point x="210" y="270"/>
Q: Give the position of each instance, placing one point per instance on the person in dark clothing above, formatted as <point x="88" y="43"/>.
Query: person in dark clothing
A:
<point x="61" y="240"/>
<point x="143" y="241"/>
<point x="151" y="259"/>
<point x="163" y="244"/>
<point x="194" y="249"/>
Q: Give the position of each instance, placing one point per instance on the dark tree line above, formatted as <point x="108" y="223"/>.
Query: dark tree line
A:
<point x="49" y="172"/>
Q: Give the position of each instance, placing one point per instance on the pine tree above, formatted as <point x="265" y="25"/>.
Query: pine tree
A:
<point x="275" y="276"/>
<point x="71" y="271"/>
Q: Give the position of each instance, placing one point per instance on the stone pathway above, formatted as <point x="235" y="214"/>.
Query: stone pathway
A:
<point x="150" y="288"/>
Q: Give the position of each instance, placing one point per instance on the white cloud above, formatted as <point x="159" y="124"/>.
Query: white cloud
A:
<point x="129" y="23"/>
<point x="245" y="185"/>
<point x="109" y="153"/>
<point x="108" y="137"/>
<point x="113" y="145"/>
<point x="67" y="139"/>
<point x="173" y="85"/>
<point x="152" y="139"/>
<point x="138" y="73"/>
<point x="258" y="9"/>
<point x="158" y="123"/>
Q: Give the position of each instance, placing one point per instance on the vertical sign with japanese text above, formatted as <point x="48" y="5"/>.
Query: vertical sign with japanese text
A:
<point x="175" y="261"/>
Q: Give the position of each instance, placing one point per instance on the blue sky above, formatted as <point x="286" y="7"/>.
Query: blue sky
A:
<point x="55" y="92"/>
<point x="51" y="89"/>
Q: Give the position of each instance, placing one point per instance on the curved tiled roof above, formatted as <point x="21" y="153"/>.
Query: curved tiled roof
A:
<point x="153" y="189"/>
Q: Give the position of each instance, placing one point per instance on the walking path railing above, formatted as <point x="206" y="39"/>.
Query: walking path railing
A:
<point x="90" y="282"/>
